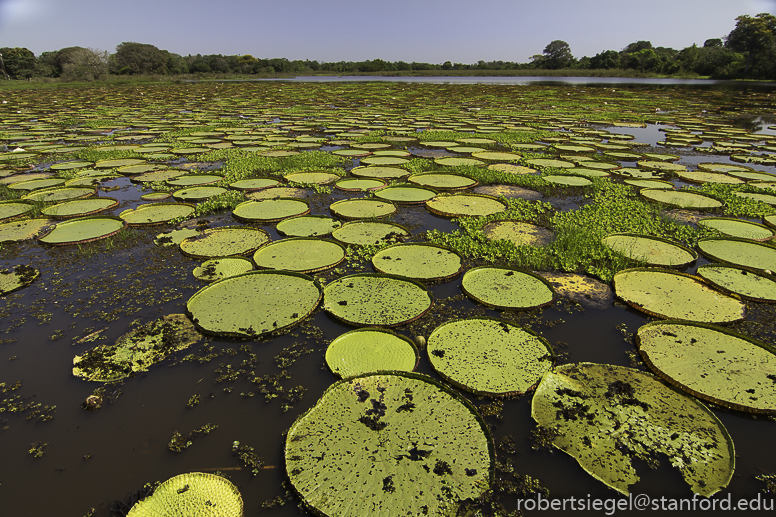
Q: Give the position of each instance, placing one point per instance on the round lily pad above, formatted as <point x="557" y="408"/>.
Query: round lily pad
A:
<point x="544" y="162"/>
<point x="12" y="208"/>
<point x="518" y="233"/>
<point x="317" y="177"/>
<point x="113" y="164"/>
<point x="768" y="199"/>
<point x="442" y="181"/>
<point x="740" y="252"/>
<point x="197" y="193"/>
<point x="191" y="180"/>
<point x="737" y="228"/>
<point x="57" y="194"/>
<point x="468" y="205"/>
<point x="745" y="283"/>
<point x="175" y="237"/>
<point x="362" y="208"/>
<point x="367" y="350"/>
<point x="66" y="166"/>
<point x="307" y="226"/>
<point x="708" y="177"/>
<point x="654" y="251"/>
<point x="220" y="268"/>
<point x="363" y="233"/>
<point x="83" y="229"/>
<point x="156" y="196"/>
<point x="194" y="494"/>
<point x="451" y="161"/>
<point x="251" y="184"/>
<point x="14" y="231"/>
<point x="359" y="184"/>
<point x="604" y="416"/>
<point x="495" y="156"/>
<point x="661" y="165"/>
<point x="488" y="356"/>
<point x="80" y="207"/>
<point x="278" y="192"/>
<point x="712" y="363"/>
<point x="224" y="241"/>
<point x="300" y="254"/>
<point x="511" y="168"/>
<point x="680" y="199"/>
<point x="36" y="184"/>
<point x="673" y="295"/>
<point x="372" y="299"/>
<point x="254" y="303"/>
<point x="270" y="210"/>
<point x="406" y="195"/>
<point x="156" y="213"/>
<point x="383" y="160"/>
<point x="567" y="180"/>
<point x="18" y="278"/>
<point x="399" y="442"/>
<point x="379" y="172"/>
<point x="506" y="288"/>
<point x="425" y="262"/>
<point x="722" y="167"/>
<point x="649" y="183"/>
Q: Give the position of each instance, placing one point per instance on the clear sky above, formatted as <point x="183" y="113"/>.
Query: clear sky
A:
<point x="431" y="31"/>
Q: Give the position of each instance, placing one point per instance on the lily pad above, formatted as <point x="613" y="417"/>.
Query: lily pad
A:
<point x="741" y="281"/>
<point x="737" y="228"/>
<point x="300" y="254"/>
<point x="604" y="416"/>
<point x="12" y="208"/>
<point x="362" y="208"/>
<point x="57" y="194"/>
<point x="708" y="177"/>
<point x="195" y="494"/>
<point x="200" y="193"/>
<point x="518" y="233"/>
<point x="544" y="162"/>
<point x="768" y="199"/>
<point x="489" y="356"/>
<point x="175" y="237"/>
<point x="156" y="213"/>
<point x="251" y="184"/>
<point x="224" y="241"/>
<point x="114" y="164"/>
<point x="359" y="184"/>
<point x="468" y="205"/>
<point x="362" y="233"/>
<point x="680" y="199"/>
<point x="254" y="303"/>
<point x="398" y="444"/>
<point x="406" y="195"/>
<point x="649" y="183"/>
<point x="506" y="288"/>
<point x="712" y="363"/>
<point x="673" y="295"/>
<point x="277" y="193"/>
<point x="739" y="252"/>
<point x="386" y="173"/>
<point x="442" y="181"/>
<point x="451" y="161"/>
<point x="654" y="251"/>
<point x="376" y="299"/>
<point x="82" y="230"/>
<point x="270" y="210"/>
<point x="22" y="230"/>
<point x="80" y="207"/>
<point x="425" y="262"/>
<point x="317" y="177"/>
<point x="511" y="168"/>
<point x="567" y="180"/>
<point x="307" y="226"/>
<point x="21" y="276"/>
<point x="220" y="268"/>
<point x="367" y="350"/>
<point x="192" y="180"/>
<point x="36" y="184"/>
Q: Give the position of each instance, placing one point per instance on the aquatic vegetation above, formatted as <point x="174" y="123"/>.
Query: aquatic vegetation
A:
<point x="196" y="494"/>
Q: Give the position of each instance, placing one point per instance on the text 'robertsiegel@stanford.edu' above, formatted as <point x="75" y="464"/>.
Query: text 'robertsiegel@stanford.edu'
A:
<point x="610" y="506"/>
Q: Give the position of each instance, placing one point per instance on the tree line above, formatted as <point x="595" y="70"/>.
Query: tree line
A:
<point x="749" y="51"/>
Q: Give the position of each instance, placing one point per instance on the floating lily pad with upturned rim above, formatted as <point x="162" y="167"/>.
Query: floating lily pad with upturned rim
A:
<point x="362" y="233"/>
<point x="567" y="180"/>
<point x="387" y="173"/>
<point x="374" y="299"/>
<point x="681" y="199"/>
<point x="156" y="213"/>
<point x="398" y="444"/>
<point x="270" y="210"/>
<point x="655" y="251"/>
<point x="740" y="252"/>
<point x="13" y="208"/>
<point x="603" y="415"/>
<point x="367" y="350"/>
<point x="58" y="194"/>
<point x="82" y="230"/>
<point x="545" y="162"/>
<point x="362" y="208"/>
<point x="156" y="196"/>
<point x="251" y="184"/>
<point x="114" y="164"/>
<point x="316" y="177"/>
<point x="451" y="161"/>
<point x="746" y="283"/>
<point x="518" y="233"/>
<point x="649" y="183"/>
<point x="15" y="231"/>
<point x="17" y="278"/>
<point x="224" y="241"/>
<point x="254" y="303"/>
<point x="768" y="199"/>
<point x="195" y="494"/>
<point x="419" y="261"/>
<point x="489" y="356"/>
<point x="30" y="185"/>
<point x="672" y="295"/>
<point x="193" y="180"/>
<point x="712" y="363"/>
<point x="737" y="228"/>
<point x="80" y="207"/>
<point x="307" y="226"/>
<point x="359" y="184"/>
<point x="442" y="181"/>
<point x="300" y="254"/>
<point x="220" y="268"/>
<point x="197" y="193"/>
<point x="66" y="166"/>
<point x="406" y="195"/>
<point x="465" y="205"/>
<point x="507" y="288"/>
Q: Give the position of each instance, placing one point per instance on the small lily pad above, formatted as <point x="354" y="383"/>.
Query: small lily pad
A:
<point x="80" y="207"/>
<point x="18" y="278"/>
<point x="194" y="494"/>
<point x="362" y="208"/>
<point x="82" y="230"/>
<point x="367" y="350"/>
<point x="469" y="205"/>
<point x="156" y="213"/>
<point x="220" y="268"/>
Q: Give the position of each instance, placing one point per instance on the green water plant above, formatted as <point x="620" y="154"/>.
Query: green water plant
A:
<point x="195" y="494"/>
<point x="367" y="350"/>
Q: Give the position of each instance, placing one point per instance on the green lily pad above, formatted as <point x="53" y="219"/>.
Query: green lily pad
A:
<point x="199" y="193"/>
<point x="654" y="251"/>
<point x="359" y="184"/>
<point x="442" y="181"/>
<point x="156" y="196"/>
<point x="468" y="205"/>
<point x="451" y="161"/>
<point x="401" y="442"/>
<point x="362" y="208"/>
<point x="156" y="213"/>
<point x="80" y="207"/>
<point x="66" y="166"/>
<point x="317" y="177"/>
<point x="745" y="283"/>
<point x="362" y="233"/>
<point x="136" y="350"/>
<point x="41" y="183"/>
<point x="506" y="288"/>
<point x="224" y="241"/>
<point x="544" y="162"/>
<point x="711" y="363"/>
<point x="681" y="199"/>
<point x="723" y="167"/>
<point x="649" y="183"/>
<point x="567" y="180"/>
<point x="251" y="184"/>
<point x="82" y="230"/>
<point x="737" y="228"/>
<point x="220" y="268"/>
<point x="739" y="252"/>
<point x="254" y="303"/>
<point x="175" y="237"/>
<point x="768" y="199"/>
<point x="510" y="168"/>
<point x="114" y="164"/>
<point x="385" y="173"/>
<point x="383" y="160"/>
<point x="495" y="156"/>
<point x="425" y="262"/>
<point x="15" y="231"/>
<point x="12" y="208"/>
<point x="367" y="350"/>
<point x="673" y="295"/>
<point x="21" y="276"/>
<point x="518" y="233"/>
<point x="131" y="170"/>
<point x="192" y="180"/>
<point x="708" y="177"/>
<point x="58" y="194"/>
<point x="376" y="299"/>
<point x="300" y="254"/>
<point x="406" y="195"/>
<point x="661" y="165"/>
<point x="158" y="175"/>
<point x="277" y="193"/>
<point x="307" y="226"/>
<point x="489" y="356"/>
<point x="270" y="210"/>
<point x="195" y="494"/>
<point x="604" y="416"/>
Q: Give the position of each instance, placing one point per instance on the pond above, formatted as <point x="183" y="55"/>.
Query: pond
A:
<point x="235" y="398"/>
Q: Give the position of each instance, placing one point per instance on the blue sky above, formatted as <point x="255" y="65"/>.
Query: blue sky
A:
<point x="354" y="30"/>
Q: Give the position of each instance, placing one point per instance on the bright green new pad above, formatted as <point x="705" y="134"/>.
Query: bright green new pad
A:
<point x="505" y="288"/>
<point x="83" y="229"/>
<point x="370" y="350"/>
<point x="652" y="250"/>
<point x="195" y="494"/>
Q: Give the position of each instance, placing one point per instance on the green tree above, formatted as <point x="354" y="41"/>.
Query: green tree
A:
<point x="606" y="59"/>
<point x="755" y="37"/>
<point x="557" y="54"/>
<point x="138" y="58"/>
<point x="19" y="63"/>
<point x="81" y="64"/>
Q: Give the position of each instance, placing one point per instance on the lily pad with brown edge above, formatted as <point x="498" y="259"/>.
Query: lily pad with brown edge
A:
<point x="518" y="233"/>
<point x="115" y="164"/>
<point x="307" y="226"/>
<point x="567" y="180"/>
<point x="224" y="241"/>
<point x="278" y="192"/>
<point x="41" y="183"/>
<point x="82" y="230"/>
<point x="668" y="294"/>
<point x="362" y="233"/>
<point x="254" y="303"/>
<point x="394" y="443"/>
<point x="58" y="194"/>
<point x="220" y="268"/>
<point x="419" y="261"/>
<point x="383" y="161"/>
<point x="606" y="416"/>
<point x="406" y="195"/>
<point x="314" y="177"/>
<point x="465" y="205"/>
<point x="708" y="177"/>
<point x="379" y="172"/>
<point x="156" y="196"/>
<point x="13" y="208"/>
<point x="664" y="166"/>
<point x="739" y="252"/>
<point x="23" y="230"/>
<point x="300" y="254"/>
<point x="712" y="363"/>
<point x="197" y="193"/>
<point x="649" y="183"/>
<point x="350" y="209"/>
<point x="175" y="237"/>
<point x="489" y="356"/>
<point x="131" y="170"/>
<point x="80" y="207"/>
<point x="507" y="288"/>
<point x="66" y="166"/>
<point x="752" y="175"/>
<point x="367" y="350"/>
<point x="136" y="350"/>
<point x="744" y="282"/>
<point x="270" y="210"/>
<point x="375" y="299"/>
<point x="654" y="251"/>
<point x="451" y="161"/>
<point x="442" y="181"/>
<point x="510" y="168"/>
<point x="359" y="184"/>
<point x="546" y="162"/>
<point x="496" y="156"/>
<point x="14" y="178"/>
<point x="19" y="277"/>
<point x="768" y="199"/>
<point x="159" y="175"/>
<point x="589" y="173"/>
<point x="156" y="213"/>
<point x="193" y="180"/>
<point x="251" y="184"/>
<point x="737" y="228"/>
<point x="722" y="168"/>
<point x="681" y="199"/>
<point x="195" y="494"/>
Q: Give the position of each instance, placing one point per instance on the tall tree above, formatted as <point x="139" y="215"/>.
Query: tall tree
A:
<point x="755" y="37"/>
<point x="557" y="54"/>
<point x="19" y="63"/>
<point x="139" y="58"/>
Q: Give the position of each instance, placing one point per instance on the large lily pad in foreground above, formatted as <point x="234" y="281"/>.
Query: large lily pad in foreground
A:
<point x="196" y="494"/>
<point x="389" y="444"/>
<point x="741" y="252"/>
<point x="83" y="229"/>
<point x="370" y="350"/>
<point x="605" y="416"/>
<point x="655" y="251"/>
<point x="254" y="303"/>
<point x="506" y="288"/>
<point x="714" y="364"/>
<point x="13" y="208"/>
<point x="680" y="198"/>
